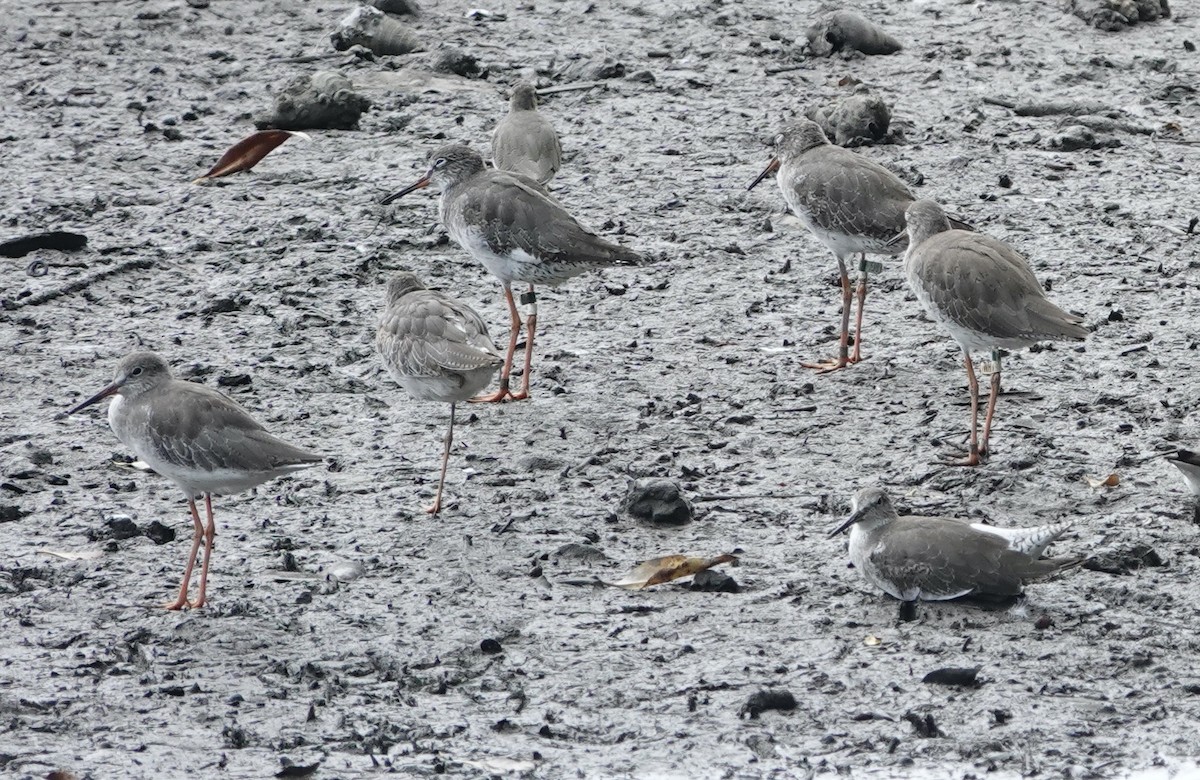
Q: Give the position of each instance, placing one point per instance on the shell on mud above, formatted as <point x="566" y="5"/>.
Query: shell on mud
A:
<point x="858" y="120"/>
<point x="841" y="30"/>
<point x="322" y="101"/>
<point x="1115" y="15"/>
<point x="372" y="29"/>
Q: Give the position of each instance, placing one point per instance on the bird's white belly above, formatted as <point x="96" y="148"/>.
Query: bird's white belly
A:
<point x="968" y="339"/>
<point x="515" y="266"/>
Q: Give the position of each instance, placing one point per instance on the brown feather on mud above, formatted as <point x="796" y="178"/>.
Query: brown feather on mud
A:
<point x="249" y="152"/>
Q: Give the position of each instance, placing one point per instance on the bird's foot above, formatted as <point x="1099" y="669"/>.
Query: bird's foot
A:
<point x="502" y="394"/>
<point x="434" y="508"/>
<point x="828" y="366"/>
<point x="177" y="604"/>
<point x="969" y="458"/>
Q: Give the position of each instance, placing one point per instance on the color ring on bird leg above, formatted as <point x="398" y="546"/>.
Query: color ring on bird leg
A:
<point x="870" y="266"/>
<point x="991" y="365"/>
<point x="529" y="302"/>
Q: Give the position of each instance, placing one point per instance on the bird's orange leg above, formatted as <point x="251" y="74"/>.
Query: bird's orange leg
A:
<point x="972" y="458"/>
<point x="197" y="537"/>
<point x="991" y="408"/>
<point x="858" y="317"/>
<point x="843" y="358"/>
<point x="208" y="548"/>
<point x="437" y="501"/>
<point x="515" y="330"/>
<point x="529" y="301"/>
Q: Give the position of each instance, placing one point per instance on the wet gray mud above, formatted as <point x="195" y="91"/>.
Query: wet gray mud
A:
<point x="270" y="282"/>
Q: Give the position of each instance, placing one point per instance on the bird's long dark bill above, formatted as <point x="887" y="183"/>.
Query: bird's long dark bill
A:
<point x="849" y="521"/>
<point x="100" y="396"/>
<point x="419" y="184"/>
<point x="771" y="168"/>
<point x="898" y="239"/>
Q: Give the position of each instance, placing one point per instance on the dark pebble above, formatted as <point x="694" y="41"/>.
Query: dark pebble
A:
<point x="925" y="726"/>
<point x="710" y="581"/>
<point x="159" y="533"/>
<point x="122" y="528"/>
<point x="1125" y="560"/>
<point x="457" y="62"/>
<point x="953" y="675"/>
<point x="10" y="513"/>
<point x="658" y="502"/>
<point x="1043" y="622"/>
<point x="490" y="647"/>
<point x="762" y="701"/>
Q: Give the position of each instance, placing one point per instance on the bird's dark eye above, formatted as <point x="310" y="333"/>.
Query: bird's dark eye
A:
<point x="136" y="372"/>
<point x="439" y="162"/>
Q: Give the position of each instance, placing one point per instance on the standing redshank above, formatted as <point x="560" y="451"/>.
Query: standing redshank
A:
<point x="521" y="234"/>
<point x="849" y="203"/>
<point x="524" y="141"/>
<point x="981" y="291"/>
<point x="436" y="348"/>
<point x="198" y="438"/>
<point x="937" y="558"/>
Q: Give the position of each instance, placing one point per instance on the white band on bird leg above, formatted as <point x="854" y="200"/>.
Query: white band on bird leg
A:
<point x="990" y="366"/>
<point x="529" y="303"/>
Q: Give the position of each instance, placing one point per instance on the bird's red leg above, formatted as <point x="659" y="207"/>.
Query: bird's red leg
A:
<point x="972" y="458"/>
<point x="208" y="548"/>
<point x="437" y="501"/>
<point x="843" y="358"/>
<point x="506" y="370"/>
<point x="858" y="317"/>
<point x="991" y="408"/>
<point x="529" y="300"/>
<point x="197" y="536"/>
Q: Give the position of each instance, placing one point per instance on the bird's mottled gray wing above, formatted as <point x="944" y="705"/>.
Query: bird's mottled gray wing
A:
<point x="428" y="334"/>
<point x="946" y="558"/>
<point x="205" y="430"/>
<point x="513" y="212"/>
<point x="524" y="142"/>
<point x="848" y="193"/>
<point x="980" y="283"/>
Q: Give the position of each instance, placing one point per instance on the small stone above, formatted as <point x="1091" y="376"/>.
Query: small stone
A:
<point x="657" y="501"/>
<point x="762" y="701"/>
<point x="711" y="581"/>
<point x="120" y="528"/>
<point x="159" y="533"/>
<point x="490" y="647"/>
<point x="457" y="62"/>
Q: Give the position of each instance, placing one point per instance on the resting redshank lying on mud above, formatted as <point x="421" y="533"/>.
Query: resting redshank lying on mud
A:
<point x="524" y="141"/>
<point x="849" y="203"/>
<point x="936" y="558"/>
<point x="436" y="348"/>
<point x="983" y="292"/>
<point x="198" y="438"/>
<point x="520" y="233"/>
<point x="1188" y="463"/>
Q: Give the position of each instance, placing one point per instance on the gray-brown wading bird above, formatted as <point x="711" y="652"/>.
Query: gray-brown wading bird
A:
<point x="524" y="141"/>
<point x="520" y="234"/>
<point x="849" y="203"/>
<point x="936" y="558"/>
<point x="196" y="437"/>
<point x="436" y="348"/>
<point x="981" y="291"/>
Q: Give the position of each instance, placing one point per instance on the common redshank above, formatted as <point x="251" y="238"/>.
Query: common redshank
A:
<point x="850" y="204"/>
<point x="198" y="438"/>
<point x="524" y="141"/>
<point x="520" y="233"/>
<point x="937" y="558"/>
<point x="984" y="293"/>
<point x="436" y="348"/>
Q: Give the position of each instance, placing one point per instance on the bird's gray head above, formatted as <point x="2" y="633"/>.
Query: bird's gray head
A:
<point x="401" y="285"/>
<point x="798" y="137"/>
<point x="137" y="373"/>
<point x="448" y="165"/>
<point x="524" y="97"/>
<point x="870" y="504"/>
<point x="794" y="140"/>
<point x="923" y="219"/>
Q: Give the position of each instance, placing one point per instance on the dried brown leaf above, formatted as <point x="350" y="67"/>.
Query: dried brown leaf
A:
<point x="656" y="571"/>
<point x="248" y="152"/>
<point x="1112" y="480"/>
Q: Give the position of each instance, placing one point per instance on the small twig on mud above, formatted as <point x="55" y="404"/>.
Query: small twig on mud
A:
<point x="577" y="86"/>
<point x="304" y="58"/>
<point x="776" y="69"/>
<point x="1002" y="102"/>
<point x="738" y="497"/>
<point x="77" y="285"/>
